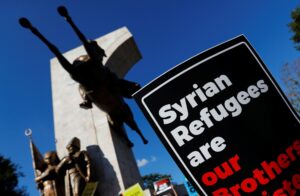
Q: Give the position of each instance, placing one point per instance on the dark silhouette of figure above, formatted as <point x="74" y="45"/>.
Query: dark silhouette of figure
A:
<point x="49" y="181"/>
<point x="77" y="166"/>
<point x="97" y="83"/>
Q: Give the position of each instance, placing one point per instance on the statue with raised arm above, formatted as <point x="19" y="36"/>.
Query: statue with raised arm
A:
<point x="98" y="84"/>
<point x="77" y="167"/>
<point x="49" y="181"/>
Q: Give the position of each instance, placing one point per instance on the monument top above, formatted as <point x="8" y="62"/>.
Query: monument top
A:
<point x="97" y="84"/>
<point x="117" y="43"/>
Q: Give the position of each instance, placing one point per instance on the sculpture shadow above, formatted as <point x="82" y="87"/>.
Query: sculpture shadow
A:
<point x="102" y="170"/>
<point x="126" y="160"/>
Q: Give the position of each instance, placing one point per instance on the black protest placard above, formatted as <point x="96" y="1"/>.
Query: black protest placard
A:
<point x="226" y="123"/>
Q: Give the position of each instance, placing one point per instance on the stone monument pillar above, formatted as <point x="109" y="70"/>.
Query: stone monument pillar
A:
<point x="113" y="162"/>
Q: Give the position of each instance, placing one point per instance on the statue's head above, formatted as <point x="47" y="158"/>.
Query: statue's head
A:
<point x="51" y="158"/>
<point x="97" y="51"/>
<point x="73" y="146"/>
<point x="81" y="59"/>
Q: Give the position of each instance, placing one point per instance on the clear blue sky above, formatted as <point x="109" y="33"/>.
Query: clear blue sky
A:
<point x="166" y="33"/>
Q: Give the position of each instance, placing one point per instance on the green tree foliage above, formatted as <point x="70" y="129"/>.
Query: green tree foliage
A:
<point x="295" y="27"/>
<point x="9" y="175"/>
<point x="150" y="178"/>
<point x="291" y="78"/>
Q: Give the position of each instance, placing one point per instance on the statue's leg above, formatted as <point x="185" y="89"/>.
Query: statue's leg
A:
<point x="129" y="143"/>
<point x="116" y="125"/>
<point x="87" y="102"/>
<point x="129" y="120"/>
<point x="79" y="185"/>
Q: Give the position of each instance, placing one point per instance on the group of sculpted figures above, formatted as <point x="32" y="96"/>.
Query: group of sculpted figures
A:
<point x="97" y="83"/>
<point x="75" y="168"/>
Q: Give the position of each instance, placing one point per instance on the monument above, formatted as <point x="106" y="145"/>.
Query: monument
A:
<point x="111" y="160"/>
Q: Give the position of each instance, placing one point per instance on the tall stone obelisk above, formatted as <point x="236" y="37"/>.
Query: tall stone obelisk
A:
<point x="113" y="163"/>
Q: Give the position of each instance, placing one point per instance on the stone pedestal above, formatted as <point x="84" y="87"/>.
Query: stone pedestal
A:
<point x="113" y="163"/>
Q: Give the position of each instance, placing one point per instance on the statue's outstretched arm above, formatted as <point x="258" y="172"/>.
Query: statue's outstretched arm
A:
<point x="64" y="13"/>
<point x="43" y="176"/>
<point x="63" y="61"/>
<point x="86" y="43"/>
<point x="61" y="167"/>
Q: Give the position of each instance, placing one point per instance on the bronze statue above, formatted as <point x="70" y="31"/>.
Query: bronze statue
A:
<point x="49" y="182"/>
<point x="97" y="83"/>
<point x="77" y="167"/>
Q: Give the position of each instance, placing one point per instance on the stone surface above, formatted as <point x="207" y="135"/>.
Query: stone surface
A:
<point x="113" y="163"/>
